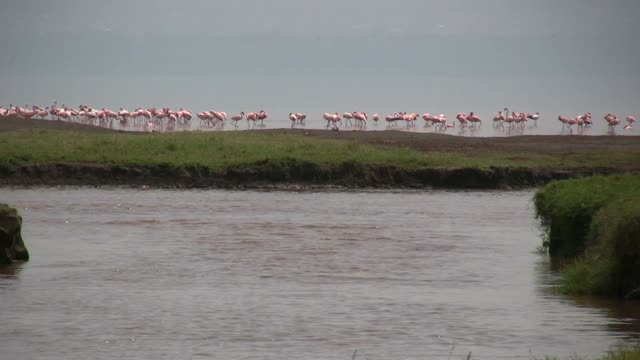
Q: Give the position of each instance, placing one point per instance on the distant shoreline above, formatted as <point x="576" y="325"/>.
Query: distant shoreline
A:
<point x="33" y="154"/>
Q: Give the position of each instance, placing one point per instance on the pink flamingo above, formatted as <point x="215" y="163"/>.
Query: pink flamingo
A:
<point x="361" y="118"/>
<point x="124" y="115"/>
<point x="301" y="117"/>
<point x="462" y="118"/>
<point x="410" y="119"/>
<point x="204" y="117"/>
<point x="630" y="119"/>
<point x="474" y="119"/>
<point x="252" y="117"/>
<point x="236" y="118"/>
<point x="613" y="122"/>
<point x="498" y="119"/>
<point x="297" y="118"/>
<point x="535" y="117"/>
<point x="390" y="120"/>
<point x="220" y="116"/>
<point x="579" y="121"/>
<point x="440" y="121"/>
<point x="13" y="113"/>
<point x="185" y="115"/>
<point x="428" y="118"/>
<point x="520" y="119"/>
<point x="564" y="120"/>
<point x="347" y="118"/>
<point x="375" y="118"/>
<point x="65" y="114"/>
<point x="449" y="125"/>
<point x="261" y="116"/>
<point x="332" y="119"/>
<point x="43" y="113"/>
<point x="571" y="122"/>
<point x="610" y="119"/>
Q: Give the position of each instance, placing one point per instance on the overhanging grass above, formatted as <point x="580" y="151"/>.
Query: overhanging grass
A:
<point x="611" y="264"/>
<point x="237" y="149"/>
<point x="566" y="208"/>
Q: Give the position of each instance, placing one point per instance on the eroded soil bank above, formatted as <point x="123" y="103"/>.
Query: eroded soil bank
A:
<point x="284" y="175"/>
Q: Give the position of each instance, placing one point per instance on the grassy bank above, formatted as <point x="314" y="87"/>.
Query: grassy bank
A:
<point x="233" y="149"/>
<point x="617" y="353"/>
<point x="257" y="159"/>
<point x="595" y="221"/>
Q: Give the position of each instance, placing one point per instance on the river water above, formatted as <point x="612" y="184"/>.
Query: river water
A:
<point x="210" y="274"/>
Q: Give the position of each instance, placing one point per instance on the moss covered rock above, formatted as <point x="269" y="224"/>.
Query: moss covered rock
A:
<point x="12" y="246"/>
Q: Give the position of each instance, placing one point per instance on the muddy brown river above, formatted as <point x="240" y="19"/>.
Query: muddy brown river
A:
<point x="122" y="273"/>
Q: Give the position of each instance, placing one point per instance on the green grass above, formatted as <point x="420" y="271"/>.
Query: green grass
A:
<point x="236" y="149"/>
<point x="566" y="208"/>
<point x="625" y="352"/>
<point x="611" y="264"/>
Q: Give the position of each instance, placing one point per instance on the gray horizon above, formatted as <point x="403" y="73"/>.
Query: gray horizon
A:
<point x="556" y="57"/>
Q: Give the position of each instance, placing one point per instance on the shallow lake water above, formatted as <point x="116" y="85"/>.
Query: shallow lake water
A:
<point x="212" y="274"/>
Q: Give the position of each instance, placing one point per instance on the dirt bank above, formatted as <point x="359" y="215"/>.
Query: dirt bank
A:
<point x="295" y="175"/>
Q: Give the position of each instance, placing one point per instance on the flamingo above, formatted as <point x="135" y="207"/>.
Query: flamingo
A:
<point x="474" y="119"/>
<point x="564" y="120"/>
<point x="440" y="121"/>
<point x="498" y="119"/>
<point x="361" y="118"/>
<point x="534" y="117"/>
<point x="375" y="118"/>
<point x="332" y="119"/>
<point x="124" y="114"/>
<point x="580" y="121"/>
<point x="301" y="117"/>
<point x="185" y="115"/>
<point x="390" y="120"/>
<point x="428" y="118"/>
<point x="410" y="119"/>
<point x="261" y="116"/>
<point x="347" y="118"/>
<point x="236" y="118"/>
<point x="252" y="117"/>
<point x="630" y="119"/>
<point x="571" y="122"/>
<point x="462" y="118"/>
<point x="612" y="121"/>
<point x="294" y="119"/>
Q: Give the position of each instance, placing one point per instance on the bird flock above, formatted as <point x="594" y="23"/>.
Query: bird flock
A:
<point x="165" y="119"/>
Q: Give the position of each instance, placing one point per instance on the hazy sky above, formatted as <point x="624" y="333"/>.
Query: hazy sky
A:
<point x="551" y="56"/>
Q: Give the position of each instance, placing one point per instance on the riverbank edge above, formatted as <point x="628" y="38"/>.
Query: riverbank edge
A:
<point x="12" y="247"/>
<point x="287" y="175"/>
<point x="595" y="223"/>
